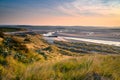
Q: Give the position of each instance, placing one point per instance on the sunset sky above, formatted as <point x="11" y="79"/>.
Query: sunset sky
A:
<point x="60" y="12"/>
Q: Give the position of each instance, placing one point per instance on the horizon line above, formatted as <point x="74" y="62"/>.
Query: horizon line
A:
<point x="60" y="25"/>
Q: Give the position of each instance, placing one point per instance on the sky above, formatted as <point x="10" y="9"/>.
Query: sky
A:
<point x="60" y="12"/>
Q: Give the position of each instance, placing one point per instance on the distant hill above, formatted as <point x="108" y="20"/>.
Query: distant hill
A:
<point x="7" y="29"/>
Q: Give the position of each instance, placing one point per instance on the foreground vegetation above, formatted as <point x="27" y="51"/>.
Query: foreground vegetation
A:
<point x="93" y="67"/>
<point x="88" y="67"/>
<point x="30" y="57"/>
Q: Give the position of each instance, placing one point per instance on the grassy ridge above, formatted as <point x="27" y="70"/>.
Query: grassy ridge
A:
<point x="18" y="52"/>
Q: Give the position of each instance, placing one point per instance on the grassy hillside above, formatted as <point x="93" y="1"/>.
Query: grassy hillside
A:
<point x="27" y="48"/>
<point x="19" y="51"/>
<point x="30" y="57"/>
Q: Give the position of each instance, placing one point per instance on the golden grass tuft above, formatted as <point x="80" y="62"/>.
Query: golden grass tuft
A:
<point x="94" y="67"/>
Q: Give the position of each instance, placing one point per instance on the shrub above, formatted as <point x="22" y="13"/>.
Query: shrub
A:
<point x="3" y="61"/>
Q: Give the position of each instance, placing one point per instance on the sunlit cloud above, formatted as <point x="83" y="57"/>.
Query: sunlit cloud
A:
<point x="91" y="7"/>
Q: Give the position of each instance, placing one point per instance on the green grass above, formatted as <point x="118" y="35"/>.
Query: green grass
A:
<point x="92" y="67"/>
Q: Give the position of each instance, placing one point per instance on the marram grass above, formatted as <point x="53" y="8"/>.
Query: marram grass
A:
<point x="88" y="67"/>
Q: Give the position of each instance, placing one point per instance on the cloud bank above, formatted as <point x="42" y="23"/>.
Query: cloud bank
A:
<point x="91" y="7"/>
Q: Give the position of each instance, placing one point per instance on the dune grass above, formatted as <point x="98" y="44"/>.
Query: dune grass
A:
<point x="88" y="67"/>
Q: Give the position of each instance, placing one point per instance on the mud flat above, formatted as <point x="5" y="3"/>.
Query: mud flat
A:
<point x="114" y="43"/>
